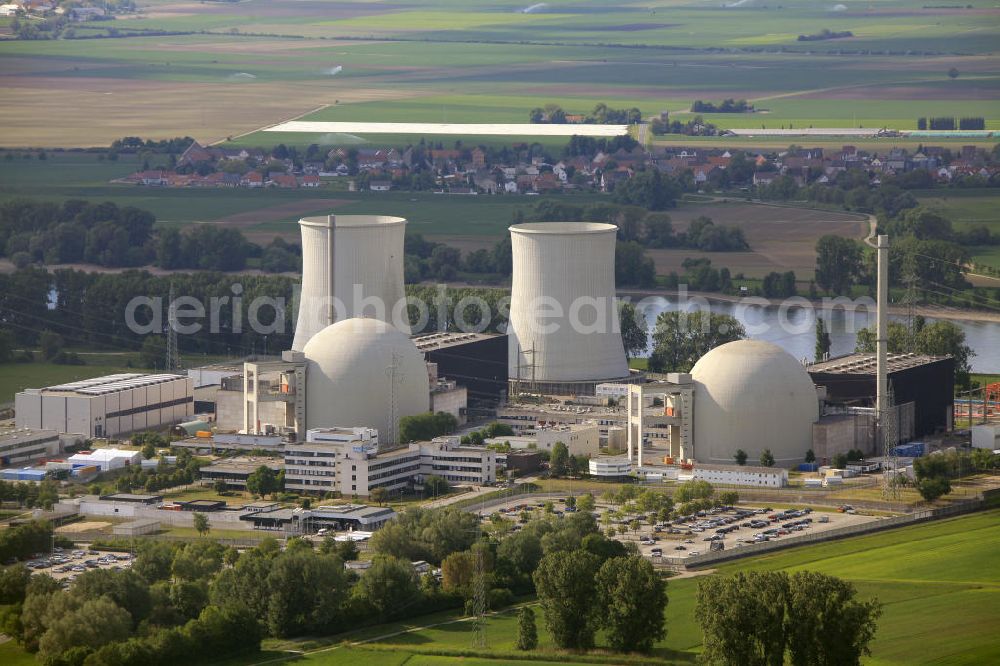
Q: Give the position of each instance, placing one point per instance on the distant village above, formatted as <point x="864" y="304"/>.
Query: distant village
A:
<point x="472" y="171"/>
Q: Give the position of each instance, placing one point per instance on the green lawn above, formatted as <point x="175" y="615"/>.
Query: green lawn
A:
<point x="16" y="377"/>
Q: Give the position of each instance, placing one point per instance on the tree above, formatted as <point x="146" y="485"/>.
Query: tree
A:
<point x="148" y="450"/>
<point x="435" y="486"/>
<point x="14" y="584"/>
<point x="221" y="487"/>
<point x="558" y="460"/>
<point x="933" y="487"/>
<point x="262" y="481"/>
<point x="635" y="330"/>
<point x="51" y="344"/>
<point x="942" y="338"/>
<point x="838" y="263"/>
<point x="527" y="633"/>
<point x="649" y="189"/>
<point x="153" y="353"/>
<point x="378" y="495"/>
<point x="425" y="427"/>
<point x="825" y="625"/>
<point x="742" y="618"/>
<point x="389" y="586"/>
<point x="681" y="338"/>
<point x="6" y="346"/>
<point x="823" y="342"/>
<point x="766" y="458"/>
<point x="201" y="524"/>
<point x="810" y="456"/>
<point x="565" y="585"/>
<point x="740" y="457"/>
<point x="585" y="502"/>
<point x="632" y="598"/>
<point x="729" y="498"/>
<point x="95" y="623"/>
<point x="306" y="591"/>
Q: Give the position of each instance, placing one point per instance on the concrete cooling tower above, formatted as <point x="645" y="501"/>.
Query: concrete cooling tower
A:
<point x="752" y="395"/>
<point x="352" y="266"/>
<point x="563" y="317"/>
<point x="358" y="372"/>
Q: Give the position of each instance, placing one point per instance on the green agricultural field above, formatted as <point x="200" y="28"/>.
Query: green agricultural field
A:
<point x="968" y="209"/>
<point x="238" y="67"/>
<point x="965" y="208"/>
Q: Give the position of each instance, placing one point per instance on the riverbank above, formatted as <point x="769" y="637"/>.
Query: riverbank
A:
<point x="930" y="311"/>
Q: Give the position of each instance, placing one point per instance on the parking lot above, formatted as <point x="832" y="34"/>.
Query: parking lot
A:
<point x="67" y="564"/>
<point x="722" y="528"/>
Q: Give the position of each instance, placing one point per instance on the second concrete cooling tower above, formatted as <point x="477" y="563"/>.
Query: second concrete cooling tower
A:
<point x="563" y="328"/>
<point x="352" y="266"/>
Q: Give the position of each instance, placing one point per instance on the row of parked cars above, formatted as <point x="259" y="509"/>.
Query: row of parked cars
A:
<point x="77" y="561"/>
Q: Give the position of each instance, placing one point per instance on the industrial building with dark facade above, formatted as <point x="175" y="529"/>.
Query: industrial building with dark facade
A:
<point x="928" y="382"/>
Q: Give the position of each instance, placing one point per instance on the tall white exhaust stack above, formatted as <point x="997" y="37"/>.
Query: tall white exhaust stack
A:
<point x="352" y="266"/>
<point x="881" y="334"/>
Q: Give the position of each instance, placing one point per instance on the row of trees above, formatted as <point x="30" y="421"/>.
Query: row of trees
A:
<point x="75" y="231"/>
<point x="30" y="495"/>
<point x="424" y="427"/>
<point x="934" y="472"/>
<point x="601" y="115"/>
<point x="108" y="235"/>
<point x="941" y="338"/>
<point x="729" y="105"/>
<point x="23" y="540"/>
<point x="758" y="618"/>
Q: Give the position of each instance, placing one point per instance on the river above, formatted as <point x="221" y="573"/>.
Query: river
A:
<point x="793" y="328"/>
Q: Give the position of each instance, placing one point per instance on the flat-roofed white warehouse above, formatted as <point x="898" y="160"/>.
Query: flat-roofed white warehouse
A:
<point x="352" y="266"/>
<point x="466" y="129"/>
<point x="563" y="313"/>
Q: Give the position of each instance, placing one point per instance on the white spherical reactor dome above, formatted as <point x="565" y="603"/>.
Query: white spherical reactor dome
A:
<point x="752" y="395"/>
<point x="351" y="367"/>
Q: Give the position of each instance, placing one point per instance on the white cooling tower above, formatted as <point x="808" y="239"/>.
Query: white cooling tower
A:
<point x="352" y="266"/>
<point x="563" y="316"/>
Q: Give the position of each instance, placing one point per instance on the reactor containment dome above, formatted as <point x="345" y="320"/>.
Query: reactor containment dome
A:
<point x="563" y="313"/>
<point x="364" y="372"/>
<point x="752" y="395"/>
<point x="352" y="266"/>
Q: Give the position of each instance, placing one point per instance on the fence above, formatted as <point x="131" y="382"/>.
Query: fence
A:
<point x="749" y="550"/>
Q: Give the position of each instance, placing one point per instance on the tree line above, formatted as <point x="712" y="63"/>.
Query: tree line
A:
<point x="729" y="105"/>
<point x="601" y="115"/>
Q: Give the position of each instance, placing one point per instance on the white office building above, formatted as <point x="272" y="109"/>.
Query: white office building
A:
<point x="353" y="465"/>
<point x="741" y="475"/>
<point x="107" y="406"/>
<point x="311" y="466"/>
<point x="610" y="467"/>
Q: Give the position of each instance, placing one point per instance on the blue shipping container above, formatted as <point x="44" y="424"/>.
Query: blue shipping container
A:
<point x="911" y="450"/>
<point x="808" y="467"/>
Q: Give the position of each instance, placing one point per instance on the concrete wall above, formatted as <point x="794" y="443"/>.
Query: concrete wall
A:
<point x="229" y="520"/>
